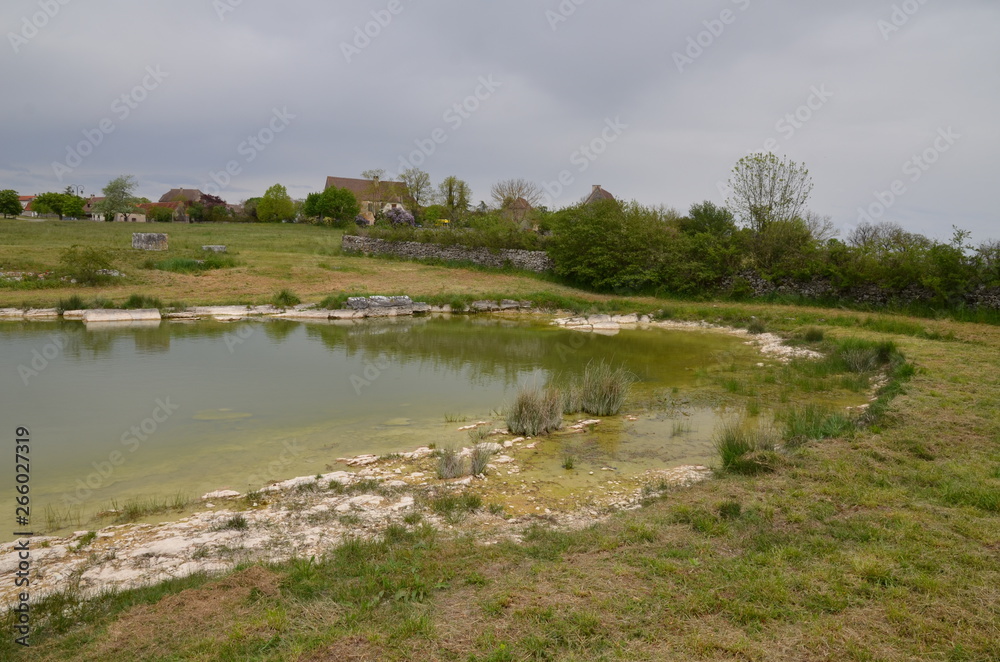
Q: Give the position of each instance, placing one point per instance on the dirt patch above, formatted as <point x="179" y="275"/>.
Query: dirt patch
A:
<point x="348" y="649"/>
<point x="206" y="614"/>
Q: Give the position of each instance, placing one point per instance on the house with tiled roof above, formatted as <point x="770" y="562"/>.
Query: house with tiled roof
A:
<point x="390" y="194"/>
<point x="91" y="207"/>
<point x="598" y="194"/>
<point x="25" y="201"/>
<point x="188" y="195"/>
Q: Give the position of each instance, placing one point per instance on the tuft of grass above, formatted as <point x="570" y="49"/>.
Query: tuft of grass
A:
<point x="187" y="265"/>
<point x="744" y="449"/>
<point x="75" y="302"/>
<point x="478" y="460"/>
<point x="534" y="411"/>
<point x="141" y="301"/>
<point x="479" y="434"/>
<point x="812" y="422"/>
<point x="755" y="326"/>
<point x="604" y="388"/>
<point x="235" y="523"/>
<point x="285" y="298"/>
<point x="449" y="464"/>
<point x="455" y="504"/>
<point x="568" y="462"/>
<point x="813" y="334"/>
<point x="334" y="301"/>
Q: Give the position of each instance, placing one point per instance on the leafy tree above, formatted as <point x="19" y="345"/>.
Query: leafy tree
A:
<point x="119" y="197"/>
<point x="72" y="206"/>
<point x="418" y="185"/>
<point x="609" y="246"/>
<point x="767" y="189"/>
<point x="49" y="203"/>
<point x="276" y="205"/>
<point x="454" y="195"/>
<point x="250" y="209"/>
<point x="312" y="207"/>
<point x="708" y="218"/>
<point x="160" y="214"/>
<point x="10" y="205"/>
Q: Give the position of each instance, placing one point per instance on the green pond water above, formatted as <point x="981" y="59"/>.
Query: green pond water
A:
<point x="122" y="411"/>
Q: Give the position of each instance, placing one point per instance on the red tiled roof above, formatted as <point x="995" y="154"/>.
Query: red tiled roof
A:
<point x="26" y="198"/>
<point x="598" y="194"/>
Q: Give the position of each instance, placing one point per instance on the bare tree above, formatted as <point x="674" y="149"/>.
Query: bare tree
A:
<point x="821" y="228"/>
<point x="766" y="188"/>
<point x="508" y="191"/>
<point x="418" y="184"/>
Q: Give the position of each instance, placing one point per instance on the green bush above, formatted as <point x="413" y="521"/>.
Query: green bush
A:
<point x="86" y="265"/>
<point x="285" y="299"/>
<point x="449" y="464"/>
<point x="141" y="301"/>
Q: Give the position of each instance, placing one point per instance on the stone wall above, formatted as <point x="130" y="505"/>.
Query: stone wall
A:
<point x="537" y="261"/>
<point x="751" y="284"/>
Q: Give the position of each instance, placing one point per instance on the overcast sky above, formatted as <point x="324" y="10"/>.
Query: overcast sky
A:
<point x="655" y="101"/>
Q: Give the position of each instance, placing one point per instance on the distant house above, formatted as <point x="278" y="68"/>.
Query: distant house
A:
<point x="131" y="217"/>
<point x="390" y="194"/>
<point x="91" y="207"/>
<point x="178" y="210"/>
<point x="188" y="195"/>
<point x="597" y="195"/>
<point x="25" y="201"/>
<point x="517" y="211"/>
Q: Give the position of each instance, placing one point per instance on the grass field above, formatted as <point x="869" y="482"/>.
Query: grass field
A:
<point x="880" y="544"/>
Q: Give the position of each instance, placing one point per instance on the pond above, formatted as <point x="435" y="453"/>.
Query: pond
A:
<point x="163" y="409"/>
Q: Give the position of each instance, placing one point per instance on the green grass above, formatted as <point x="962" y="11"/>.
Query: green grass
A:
<point x="285" y="298"/>
<point x="188" y="265"/>
<point x="604" y="389"/>
<point x="812" y="422"/>
<point x="141" y="301"/>
<point x="744" y="449"/>
<point x="478" y="459"/>
<point x="534" y="411"/>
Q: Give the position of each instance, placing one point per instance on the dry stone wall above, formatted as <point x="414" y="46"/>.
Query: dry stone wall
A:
<point x="537" y="261"/>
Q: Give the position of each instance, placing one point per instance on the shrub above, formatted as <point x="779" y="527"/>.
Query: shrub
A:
<point x="813" y="334"/>
<point x="398" y="216"/>
<point x="186" y="265"/>
<point x="72" y="303"/>
<point x="604" y="389"/>
<point x="285" y="299"/>
<point x="139" y="301"/>
<point x="535" y="411"/>
<point x="87" y="266"/>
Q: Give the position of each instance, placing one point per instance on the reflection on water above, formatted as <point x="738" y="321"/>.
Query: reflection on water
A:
<point x="158" y="409"/>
